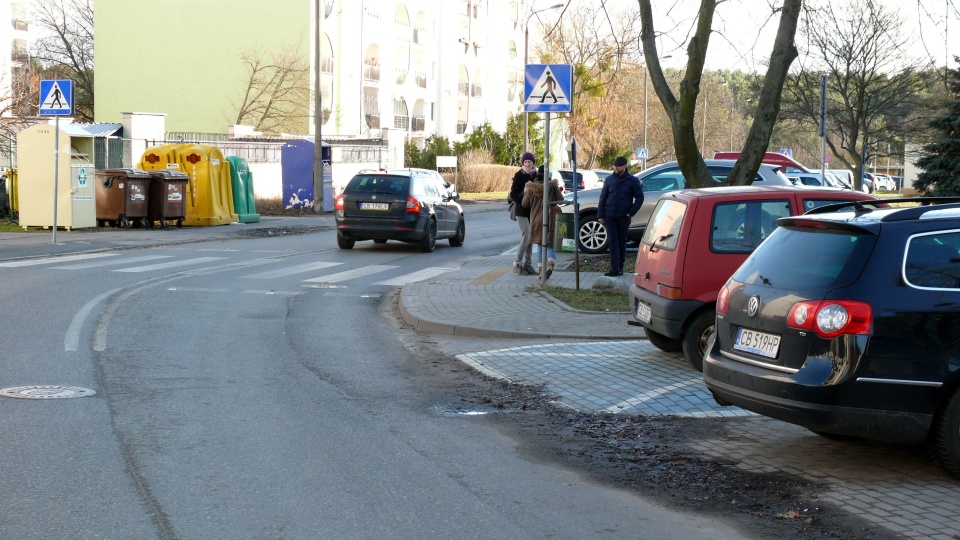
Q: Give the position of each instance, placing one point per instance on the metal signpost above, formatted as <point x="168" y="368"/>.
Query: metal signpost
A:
<point x="56" y="99"/>
<point x="548" y="88"/>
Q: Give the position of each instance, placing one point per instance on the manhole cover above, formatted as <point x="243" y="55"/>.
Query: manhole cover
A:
<point x="46" y="392"/>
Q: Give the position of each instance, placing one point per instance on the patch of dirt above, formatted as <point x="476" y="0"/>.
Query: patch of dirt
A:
<point x="647" y="455"/>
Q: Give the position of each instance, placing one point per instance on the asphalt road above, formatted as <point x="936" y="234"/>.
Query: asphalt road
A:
<point x="254" y="389"/>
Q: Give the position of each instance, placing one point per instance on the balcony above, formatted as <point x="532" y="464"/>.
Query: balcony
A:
<point x="461" y="127"/>
<point x="20" y="24"/>
<point x="477" y="91"/>
<point x="401" y="76"/>
<point x="401" y="121"/>
<point x="20" y="56"/>
<point x="463" y="88"/>
<point x="373" y="121"/>
<point x="418" y="123"/>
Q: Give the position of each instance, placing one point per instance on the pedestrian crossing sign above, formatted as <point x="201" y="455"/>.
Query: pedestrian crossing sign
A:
<point x="56" y="98"/>
<point x="548" y="88"/>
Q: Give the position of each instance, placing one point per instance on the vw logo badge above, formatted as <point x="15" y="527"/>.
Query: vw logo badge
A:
<point x="753" y="307"/>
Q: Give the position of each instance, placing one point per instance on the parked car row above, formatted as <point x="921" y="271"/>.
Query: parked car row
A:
<point x="592" y="235"/>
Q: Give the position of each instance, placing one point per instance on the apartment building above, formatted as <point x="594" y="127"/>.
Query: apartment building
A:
<point x="14" y="47"/>
<point x="421" y="67"/>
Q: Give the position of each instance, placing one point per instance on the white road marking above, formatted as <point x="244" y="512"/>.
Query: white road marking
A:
<point x="113" y="262"/>
<point x="271" y="293"/>
<point x="413" y="277"/>
<point x="72" y="339"/>
<point x="352" y="274"/>
<point x="55" y="260"/>
<point x="164" y="266"/>
<point x="290" y="270"/>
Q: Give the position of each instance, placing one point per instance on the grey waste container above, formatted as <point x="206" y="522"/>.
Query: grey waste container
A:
<point x="563" y="233"/>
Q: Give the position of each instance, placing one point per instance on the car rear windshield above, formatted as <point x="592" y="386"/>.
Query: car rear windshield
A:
<point x="378" y="183"/>
<point x="664" y="225"/>
<point x="803" y="258"/>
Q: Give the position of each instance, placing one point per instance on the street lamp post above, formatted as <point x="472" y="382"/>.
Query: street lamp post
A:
<point x="526" y="42"/>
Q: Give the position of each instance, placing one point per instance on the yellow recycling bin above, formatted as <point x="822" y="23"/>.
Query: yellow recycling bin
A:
<point x="209" y="193"/>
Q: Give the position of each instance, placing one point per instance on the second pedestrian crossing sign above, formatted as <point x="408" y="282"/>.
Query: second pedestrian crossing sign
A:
<point x="56" y="98"/>
<point x="547" y="88"/>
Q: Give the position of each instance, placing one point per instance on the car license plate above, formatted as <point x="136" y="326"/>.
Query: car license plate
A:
<point x="643" y="312"/>
<point x="374" y="206"/>
<point x="757" y="342"/>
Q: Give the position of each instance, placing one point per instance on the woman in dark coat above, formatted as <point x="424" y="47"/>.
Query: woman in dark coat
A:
<point x="527" y="173"/>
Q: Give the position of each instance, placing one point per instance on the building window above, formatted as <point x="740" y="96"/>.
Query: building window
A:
<point x="371" y="64"/>
<point x="401" y="118"/>
<point x="371" y="107"/>
<point x="463" y="84"/>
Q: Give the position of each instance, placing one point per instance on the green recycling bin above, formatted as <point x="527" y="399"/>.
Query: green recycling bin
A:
<point x="563" y="234"/>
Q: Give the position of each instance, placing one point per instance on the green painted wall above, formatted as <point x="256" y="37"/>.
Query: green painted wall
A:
<point x="169" y="56"/>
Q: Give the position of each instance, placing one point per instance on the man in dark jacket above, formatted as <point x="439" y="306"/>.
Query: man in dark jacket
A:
<point x="620" y="198"/>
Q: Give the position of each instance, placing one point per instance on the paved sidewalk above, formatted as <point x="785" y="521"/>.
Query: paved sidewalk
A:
<point x="484" y="298"/>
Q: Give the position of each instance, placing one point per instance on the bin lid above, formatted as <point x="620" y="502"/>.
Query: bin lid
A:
<point x="168" y="174"/>
<point x="129" y="173"/>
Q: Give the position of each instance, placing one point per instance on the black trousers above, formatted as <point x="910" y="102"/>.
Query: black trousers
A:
<point x="617" y="229"/>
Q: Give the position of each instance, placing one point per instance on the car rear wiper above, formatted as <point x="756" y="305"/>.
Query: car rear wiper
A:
<point x="653" y="246"/>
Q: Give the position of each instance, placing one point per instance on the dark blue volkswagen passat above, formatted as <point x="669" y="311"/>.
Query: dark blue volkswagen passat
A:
<point x="409" y="205"/>
<point x="846" y="321"/>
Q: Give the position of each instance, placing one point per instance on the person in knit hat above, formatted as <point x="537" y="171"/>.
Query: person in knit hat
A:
<point x="620" y="198"/>
<point x="533" y="200"/>
<point x="527" y="173"/>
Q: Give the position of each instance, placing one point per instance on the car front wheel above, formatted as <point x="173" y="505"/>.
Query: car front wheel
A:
<point x="592" y="236"/>
<point x="457" y="239"/>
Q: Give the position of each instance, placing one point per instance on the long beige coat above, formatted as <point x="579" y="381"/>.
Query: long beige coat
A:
<point x="533" y="199"/>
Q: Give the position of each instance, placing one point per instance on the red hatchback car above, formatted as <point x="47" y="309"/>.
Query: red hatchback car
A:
<point x="694" y="241"/>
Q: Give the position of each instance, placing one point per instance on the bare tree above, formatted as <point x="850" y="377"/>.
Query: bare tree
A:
<point x="682" y="110"/>
<point x="64" y="49"/>
<point x="875" y="93"/>
<point x="277" y="86"/>
<point x="602" y="48"/>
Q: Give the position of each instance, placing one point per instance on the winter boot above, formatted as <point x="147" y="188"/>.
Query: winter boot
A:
<point x="529" y="269"/>
<point x="550" y="265"/>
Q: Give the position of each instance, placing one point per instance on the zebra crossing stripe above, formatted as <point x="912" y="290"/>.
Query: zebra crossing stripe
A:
<point x="414" y="277"/>
<point x="351" y="274"/>
<point x="164" y="266"/>
<point x="299" y="269"/>
<point x="98" y="264"/>
<point x="54" y="260"/>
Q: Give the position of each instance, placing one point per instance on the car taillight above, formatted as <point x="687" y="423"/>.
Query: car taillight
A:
<point x="723" y="300"/>
<point x="413" y="205"/>
<point x="582" y="185"/>
<point x="338" y="203"/>
<point x="831" y="318"/>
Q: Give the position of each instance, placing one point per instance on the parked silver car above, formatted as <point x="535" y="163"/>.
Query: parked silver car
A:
<point x="592" y="235"/>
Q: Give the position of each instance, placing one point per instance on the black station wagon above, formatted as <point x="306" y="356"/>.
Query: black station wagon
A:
<point x="846" y="321"/>
<point x="409" y="205"/>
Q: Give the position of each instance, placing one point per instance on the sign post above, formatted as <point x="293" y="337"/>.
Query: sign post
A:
<point x="549" y="88"/>
<point x="56" y="99"/>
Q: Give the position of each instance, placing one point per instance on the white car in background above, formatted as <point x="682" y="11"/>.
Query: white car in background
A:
<point x="587" y="179"/>
<point x="882" y="182"/>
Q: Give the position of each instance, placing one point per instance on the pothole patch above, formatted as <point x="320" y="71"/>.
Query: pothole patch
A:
<point x="46" y="392"/>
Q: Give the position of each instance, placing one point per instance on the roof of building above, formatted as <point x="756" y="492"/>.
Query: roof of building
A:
<point x="100" y="129"/>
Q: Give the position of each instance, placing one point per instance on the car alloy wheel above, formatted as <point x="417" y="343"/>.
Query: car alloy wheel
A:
<point x="592" y="236"/>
